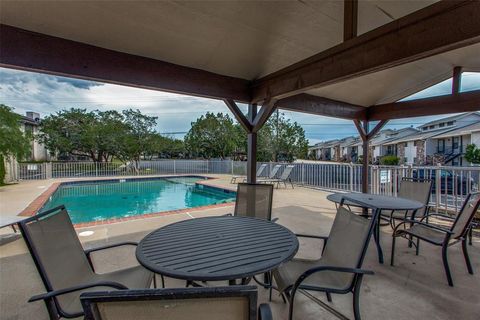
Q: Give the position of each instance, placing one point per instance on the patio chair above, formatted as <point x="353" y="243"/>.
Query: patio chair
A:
<point x="259" y="174"/>
<point x="339" y="268"/>
<point x="66" y="268"/>
<point x="272" y="174"/>
<point x="254" y="200"/>
<point x="413" y="189"/>
<point x="440" y="236"/>
<point x="284" y="177"/>
<point x="216" y="303"/>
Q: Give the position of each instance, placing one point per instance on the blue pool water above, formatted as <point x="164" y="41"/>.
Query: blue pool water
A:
<point x="102" y="200"/>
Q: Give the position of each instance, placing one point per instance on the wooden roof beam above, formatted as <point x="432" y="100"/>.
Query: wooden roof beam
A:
<point x="440" y="27"/>
<point x="37" y="52"/>
<point x="452" y="103"/>
<point x="322" y="106"/>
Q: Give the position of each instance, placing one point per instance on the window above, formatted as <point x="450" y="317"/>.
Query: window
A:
<point x="441" y="125"/>
<point x="425" y="128"/>
<point x="406" y="144"/>
<point x="431" y="127"/>
<point x="450" y="123"/>
<point x="441" y="145"/>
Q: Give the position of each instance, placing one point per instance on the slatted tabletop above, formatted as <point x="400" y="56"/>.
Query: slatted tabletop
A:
<point x="217" y="248"/>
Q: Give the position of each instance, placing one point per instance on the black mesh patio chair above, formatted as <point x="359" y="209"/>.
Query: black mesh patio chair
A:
<point x="259" y="173"/>
<point x="67" y="269"/>
<point x="216" y="303"/>
<point x="284" y="177"/>
<point x="413" y="189"/>
<point x="441" y="236"/>
<point x="339" y="270"/>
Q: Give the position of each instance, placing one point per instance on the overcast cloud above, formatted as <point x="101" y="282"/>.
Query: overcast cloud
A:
<point x="27" y="91"/>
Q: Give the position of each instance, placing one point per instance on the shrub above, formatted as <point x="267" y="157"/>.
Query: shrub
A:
<point x="389" y="160"/>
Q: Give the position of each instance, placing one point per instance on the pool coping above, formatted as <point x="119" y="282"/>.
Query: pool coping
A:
<point x="40" y="201"/>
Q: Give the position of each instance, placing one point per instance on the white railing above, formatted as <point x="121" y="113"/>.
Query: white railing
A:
<point x="451" y="184"/>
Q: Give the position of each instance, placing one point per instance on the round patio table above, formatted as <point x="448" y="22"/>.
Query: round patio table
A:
<point x="217" y="248"/>
<point x="380" y="202"/>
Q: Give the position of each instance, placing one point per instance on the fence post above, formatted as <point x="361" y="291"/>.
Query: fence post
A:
<point x="48" y="170"/>
<point x="350" y="169"/>
<point x="231" y="162"/>
<point x="174" y="166"/>
<point x="303" y="173"/>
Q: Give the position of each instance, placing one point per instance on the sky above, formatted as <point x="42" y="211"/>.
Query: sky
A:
<point x="46" y="94"/>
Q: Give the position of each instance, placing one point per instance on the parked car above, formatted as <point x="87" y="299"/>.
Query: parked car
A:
<point x="464" y="183"/>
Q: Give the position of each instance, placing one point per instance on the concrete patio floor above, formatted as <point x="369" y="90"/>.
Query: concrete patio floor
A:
<point x="415" y="288"/>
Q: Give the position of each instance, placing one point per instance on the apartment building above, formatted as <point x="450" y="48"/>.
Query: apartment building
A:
<point x="442" y="141"/>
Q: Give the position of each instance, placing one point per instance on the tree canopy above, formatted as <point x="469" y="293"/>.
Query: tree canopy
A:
<point x="211" y="136"/>
<point x="217" y="136"/>
<point x="13" y="141"/>
<point x="104" y="135"/>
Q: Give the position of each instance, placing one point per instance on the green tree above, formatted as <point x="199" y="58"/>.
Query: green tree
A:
<point x="211" y="136"/>
<point x="136" y="140"/>
<point x="73" y="132"/>
<point x="472" y="154"/>
<point x="13" y="142"/>
<point x="287" y="139"/>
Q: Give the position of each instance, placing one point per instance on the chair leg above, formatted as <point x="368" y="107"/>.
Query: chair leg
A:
<point x="446" y="266"/>
<point x="329" y="296"/>
<point x="467" y="258"/>
<point x="154" y="281"/>
<point x="356" y="299"/>
<point x="392" y="254"/>
<point x="470" y="235"/>
<point x="417" y="247"/>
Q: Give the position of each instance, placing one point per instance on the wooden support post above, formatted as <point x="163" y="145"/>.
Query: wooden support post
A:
<point x="366" y="139"/>
<point x="252" y="147"/>
<point x="456" y="80"/>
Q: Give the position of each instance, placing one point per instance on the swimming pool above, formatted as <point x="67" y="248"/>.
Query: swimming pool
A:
<point x="88" y="201"/>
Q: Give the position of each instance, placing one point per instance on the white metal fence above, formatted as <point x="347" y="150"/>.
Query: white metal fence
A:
<point x="451" y="184"/>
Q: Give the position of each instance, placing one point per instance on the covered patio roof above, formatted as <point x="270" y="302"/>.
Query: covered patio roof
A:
<point x="351" y="59"/>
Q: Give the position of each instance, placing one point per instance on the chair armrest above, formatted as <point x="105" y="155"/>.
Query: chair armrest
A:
<point x="423" y="224"/>
<point x="52" y="294"/>
<point x="264" y="312"/>
<point x="447" y="217"/>
<point x="274" y="220"/>
<point x="325" y="238"/>
<point x="108" y="246"/>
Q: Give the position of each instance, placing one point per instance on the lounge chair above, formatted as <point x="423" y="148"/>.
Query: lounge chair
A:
<point x="259" y="174"/>
<point x="440" y="236"/>
<point x="217" y="303"/>
<point x="67" y="269"/>
<point x="284" y="177"/>
<point x="414" y="189"/>
<point x="339" y="268"/>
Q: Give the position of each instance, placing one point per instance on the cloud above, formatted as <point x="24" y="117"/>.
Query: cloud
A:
<point x="46" y="94"/>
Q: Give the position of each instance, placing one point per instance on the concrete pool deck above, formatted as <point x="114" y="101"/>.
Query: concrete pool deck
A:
<point x="415" y="288"/>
